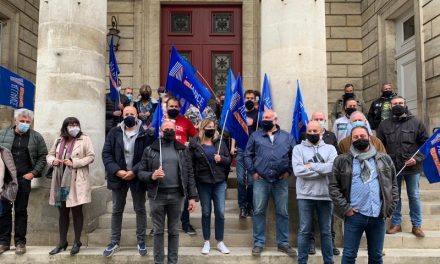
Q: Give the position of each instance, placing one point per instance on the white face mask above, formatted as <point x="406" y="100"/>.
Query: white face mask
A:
<point x="73" y="132"/>
<point x="322" y="124"/>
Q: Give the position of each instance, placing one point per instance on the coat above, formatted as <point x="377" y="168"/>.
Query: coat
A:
<point x="8" y="176"/>
<point x="82" y="156"/>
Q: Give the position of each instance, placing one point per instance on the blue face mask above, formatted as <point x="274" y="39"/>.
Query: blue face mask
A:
<point x="23" y="127"/>
<point x="130" y="97"/>
<point x="358" y="124"/>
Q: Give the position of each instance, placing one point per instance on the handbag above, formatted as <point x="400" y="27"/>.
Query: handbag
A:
<point x="49" y="171"/>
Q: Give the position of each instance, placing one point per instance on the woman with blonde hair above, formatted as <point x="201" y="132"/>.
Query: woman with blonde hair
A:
<point x="211" y="163"/>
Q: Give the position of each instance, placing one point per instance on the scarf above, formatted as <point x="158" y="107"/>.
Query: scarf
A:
<point x="366" y="168"/>
<point x="63" y="174"/>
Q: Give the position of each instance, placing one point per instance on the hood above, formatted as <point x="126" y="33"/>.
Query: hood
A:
<point x="307" y="143"/>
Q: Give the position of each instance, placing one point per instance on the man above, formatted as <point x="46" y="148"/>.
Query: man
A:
<point x="29" y="152"/>
<point x="380" y="108"/>
<point x="167" y="170"/>
<point x="128" y="92"/>
<point x="184" y="130"/>
<point x="402" y="135"/>
<point x="340" y="126"/>
<point x="312" y="162"/>
<point x="122" y="152"/>
<point x="146" y="105"/>
<point x="338" y="108"/>
<point x="267" y="158"/>
<point x="358" y="119"/>
<point x="244" y="178"/>
<point x="113" y="110"/>
<point x="364" y="191"/>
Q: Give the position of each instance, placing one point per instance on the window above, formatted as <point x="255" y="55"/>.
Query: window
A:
<point x="221" y="62"/>
<point x="222" y="23"/>
<point x="408" y="28"/>
<point x="180" y="23"/>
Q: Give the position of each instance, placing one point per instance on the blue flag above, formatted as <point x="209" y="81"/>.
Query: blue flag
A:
<point x="266" y="98"/>
<point x="230" y="84"/>
<point x="181" y="81"/>
<point x="16" y="91"/>
<point x="300" y="118"/>
<point x="236" y="120"/>
<point x="431" y="164"/>
<point x="113" y="73"/>
<point x="156" y="123"/>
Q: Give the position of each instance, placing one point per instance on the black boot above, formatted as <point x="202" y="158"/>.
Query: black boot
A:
<point x="312" y="249"/>
<point x="75" y="248"/>
<point x="250" y="212"/>
<point x="243" y="213"/>
<point x="58" y="249"/>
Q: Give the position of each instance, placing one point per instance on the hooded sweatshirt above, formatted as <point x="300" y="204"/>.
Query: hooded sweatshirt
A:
<point x="313" y="183"/>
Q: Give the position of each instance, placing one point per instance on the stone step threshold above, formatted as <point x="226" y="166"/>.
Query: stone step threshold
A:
<point x="190" y="255"/>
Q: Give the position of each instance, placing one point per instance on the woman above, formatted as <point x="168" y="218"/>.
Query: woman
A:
<point x="70" y="157"/>
<point x="211" y="168"/>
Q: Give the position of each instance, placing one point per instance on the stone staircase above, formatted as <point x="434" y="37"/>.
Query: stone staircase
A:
<point x="399" y="248"/>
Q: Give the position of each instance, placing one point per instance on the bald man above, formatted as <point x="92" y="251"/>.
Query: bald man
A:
<point x="328" y="137"/>
<point x="312" y="163"/>
<point x="122" y="152"/>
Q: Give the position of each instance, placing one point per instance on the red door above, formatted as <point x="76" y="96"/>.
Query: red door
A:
<point x="208" y="36"/>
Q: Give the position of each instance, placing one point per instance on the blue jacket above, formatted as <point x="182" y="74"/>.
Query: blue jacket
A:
<point x="114" y="158"/>
<point x="269" y="160"/>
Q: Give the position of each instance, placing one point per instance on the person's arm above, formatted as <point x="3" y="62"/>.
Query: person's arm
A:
<point x="371" y="116"/>
<point x="40" y="162"/>
<point x="380" y="134"/>
<point x="325" y="168"/>
<point x="145" y="171"/>
<point x="339" y="201"/>
<point x="225" y="156"/>
<point x="192" y="189"/>
<point x="52" y="152"/>
<point x="192" y="131"/>
<point x="299" y="168"/>
<point x="107" y="155"/>
<point x="249" y="155"/>
<point x="88" y="158"/>
<point x="422" y="136"/>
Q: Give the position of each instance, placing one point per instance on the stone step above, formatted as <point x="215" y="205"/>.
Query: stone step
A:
<point x="191" y="255"/>
<point x="428" y="208"/>
<point x="406" y="240"/>
<point x="425" y="195"/>
<point x="429" y="223"/>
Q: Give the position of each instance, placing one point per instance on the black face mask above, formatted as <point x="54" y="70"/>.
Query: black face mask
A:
<point x="398" y="110"/>
<point x="267" y="125"/>
<point x="361" y="144"/>
<point x="145" y="97"/>
<point x="130" y="121"/>
<point x="387" y="94"/>
<point x="209" y="133"/>
<point x="249" y="104"/>
<point x="313" y="138"/>
<point x="348" y="95"/>
<point x="169" y="135"/>
<point x="222" y="102"/>
<point x="173" y="113"/>
<point x="350" y="111"/>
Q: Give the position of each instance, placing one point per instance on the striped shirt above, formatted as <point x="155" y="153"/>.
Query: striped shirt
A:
<point x="365" y="196"/>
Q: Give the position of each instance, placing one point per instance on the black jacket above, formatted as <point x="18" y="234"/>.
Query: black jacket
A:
<point x="375" y="112"/>
<point x="110" y="107"/>
<point x="203" y="171"/>
<point x="402" y="138"/>
<point x="114" y="158"/>
<point x="151" y="162"/>
<point x="341" y="178"/>
<point x="328" y="137"/>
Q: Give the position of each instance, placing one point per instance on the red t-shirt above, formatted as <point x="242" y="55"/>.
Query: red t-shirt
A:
<point x="184" y="129"/>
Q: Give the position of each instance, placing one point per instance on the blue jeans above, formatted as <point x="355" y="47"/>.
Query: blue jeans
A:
<point x="415" y="210"/>
<point x="244" y="182"/>
<point x="280" y="193"/>
<point x="306" y="210"/>
<point x="217" y="194"/>
<point x="354" y="227"/>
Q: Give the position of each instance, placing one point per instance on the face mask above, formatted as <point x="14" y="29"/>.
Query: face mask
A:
<point x="361" y="144"/>
<point x="267" y="125"/>
<point x="130" y="121"/>
<point x="162" y="95"/>
<point x="313" y="138"/>
<point x="387" y="93"/>
<point x="23" y="127"/>
<point x="73" y="132"/>
<point x="145" y="97"/>
<point x="173" y="113"/>
<point x="398" y="110"/>
<point x="322" y="124"/>
<point x="350" y="111"/>
<point x="348" y="95"/>
<point x="209" y="133"/>
<point x="358" y="124"/>
<point x="249" y="104"/>
<point x="257" y="98"/>
<point x="222" y="102"/>
<point x="130" y="97"/>
<point x="169" y="135"/>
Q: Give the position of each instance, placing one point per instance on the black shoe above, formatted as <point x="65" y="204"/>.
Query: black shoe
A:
<point x="75" y="248"/>
<point x="190" y="230"/>
<point x="336" y="251"/>
<point x="250" y="212"/>
<point x="288" y="250"/>
<point x="256" y="251"/>
<point x="312" y="249"/>
<point x="58" y="249"/>
<point x="243" y="213"/>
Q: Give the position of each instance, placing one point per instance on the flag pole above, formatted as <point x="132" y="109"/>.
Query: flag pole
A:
<point x="209" y="86"/>
<point x="223" y="131"/>
<point x="404" y="166"/>
<point x="160" y="151"/>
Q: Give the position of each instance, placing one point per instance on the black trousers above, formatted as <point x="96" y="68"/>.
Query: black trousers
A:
<point x="64" y="221"/>
<point x="20" y="208"/>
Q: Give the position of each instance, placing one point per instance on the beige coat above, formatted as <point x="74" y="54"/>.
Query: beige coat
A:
<point x="82" y="156"/>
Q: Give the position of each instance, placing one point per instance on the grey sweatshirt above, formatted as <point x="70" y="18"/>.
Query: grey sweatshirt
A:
<point x="313" y="183"/>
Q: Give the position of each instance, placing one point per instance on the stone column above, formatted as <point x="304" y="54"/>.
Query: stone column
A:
<point x="71" y="71"/>
<point x="293" y="46"/>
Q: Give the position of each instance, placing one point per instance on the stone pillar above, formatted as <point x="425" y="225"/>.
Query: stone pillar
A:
<point x="293" y="46"/>
<point x="71" y="71"/>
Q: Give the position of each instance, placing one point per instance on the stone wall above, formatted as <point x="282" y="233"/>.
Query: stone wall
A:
<point x="344" y="47"/>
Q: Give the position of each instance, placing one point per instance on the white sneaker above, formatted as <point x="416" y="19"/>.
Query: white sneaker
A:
<point x="206" y="248"/>
<point x="222" y="248"/>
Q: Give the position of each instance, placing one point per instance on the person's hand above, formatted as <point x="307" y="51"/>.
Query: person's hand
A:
<point x="158" y="174"/>
<point x="56" y="162"/>
<point x="128" y="176"/>
<point x="121" y="173"/>
<point x="147" y="114"/>
<point x="256" y="177"/>
<point x="351" y="212"/>
<point x="410" y="162"/>
<point x="121" y="106"/>
<point x="28" y="176"/>
<point x="233" y="151"/>
<point x="217" y="158"/>
<point x="191" y="205"/>
<point x="68" y="163"/>
<point x="284" y="176"/>
<point x="117" y="113"/>
<point x="308" y="165"/>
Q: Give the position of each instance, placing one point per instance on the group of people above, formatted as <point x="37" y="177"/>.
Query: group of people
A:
<point x="349" y="172"/>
